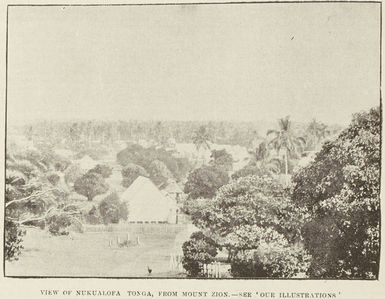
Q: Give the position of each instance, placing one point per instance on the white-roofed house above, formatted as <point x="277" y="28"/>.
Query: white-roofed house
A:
<point x="146" y="204"/>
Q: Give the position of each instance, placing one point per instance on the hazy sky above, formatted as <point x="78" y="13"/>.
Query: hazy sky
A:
<point x="208" y="62"/>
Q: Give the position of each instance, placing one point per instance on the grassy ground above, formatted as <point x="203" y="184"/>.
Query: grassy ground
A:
<point x="89" y="254"/>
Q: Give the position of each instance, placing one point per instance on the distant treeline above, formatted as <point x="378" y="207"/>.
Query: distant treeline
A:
<point x="223" y="132"/>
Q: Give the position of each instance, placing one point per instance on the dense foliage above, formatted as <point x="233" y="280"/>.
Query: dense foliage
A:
<point x="90" y="185"/>
<point x="111" y="209"/>
<point x="58" y="224"/>
<point x="13" y="240"/>
<point x="341" y="188"/>
<point x="145" y="157"/>
<point x="257" y="168"/>
<point x="131" y="172"/>
<point x="159" y="173"/>
<point x="31" y="194"/>
<point x="86" y="133"/>
<point x="259" y="225"/>
<point x="222" y="159"/>
<point x="197" y="251"/>
<point x="205" y="181"/>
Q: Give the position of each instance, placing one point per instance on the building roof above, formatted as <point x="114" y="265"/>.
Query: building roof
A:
<point x="146" y="203"/>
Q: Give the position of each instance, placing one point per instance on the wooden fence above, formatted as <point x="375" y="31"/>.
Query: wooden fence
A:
<point x="216" y="270"/>
<point x="212" y="270"/>
<point x="136" y="228"/>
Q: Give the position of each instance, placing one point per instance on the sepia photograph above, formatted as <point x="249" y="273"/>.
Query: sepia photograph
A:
<point x="207" y="140"/>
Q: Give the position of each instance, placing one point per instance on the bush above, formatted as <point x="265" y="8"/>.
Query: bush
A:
<point x="93" y="216"/>
<point x="13" y="240"/>
<point x="274" y="257"/>
<point x="199" y="250"/>
<point x="111" y="209"/>
<point x="58" y="224"/>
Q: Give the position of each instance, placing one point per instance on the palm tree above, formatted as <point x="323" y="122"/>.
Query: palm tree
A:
<point x="202" y="138"/>
<point x="284" y="139"/>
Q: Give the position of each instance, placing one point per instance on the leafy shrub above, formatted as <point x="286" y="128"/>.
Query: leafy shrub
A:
<point x="273" y="257"/>
<point x="13" y="240"/>
<point x="93" y="216"/>
<point x="197" y="251"/>
<point x="111" y="209"/>
<point x="58" y="224"/>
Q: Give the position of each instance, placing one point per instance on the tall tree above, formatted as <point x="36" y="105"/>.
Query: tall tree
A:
<point x="205" y="181"/>
<point x="341" y="189"/>
<point x="90" y="185"/>
<point x="285" y="139"/>
<point x="202" y="138"/>
<point x="30" y="200"/>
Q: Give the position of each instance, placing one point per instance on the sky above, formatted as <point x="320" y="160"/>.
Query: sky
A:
<point x="201" y="62"/>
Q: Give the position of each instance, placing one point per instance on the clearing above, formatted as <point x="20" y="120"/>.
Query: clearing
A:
<point x="89" y="254"/>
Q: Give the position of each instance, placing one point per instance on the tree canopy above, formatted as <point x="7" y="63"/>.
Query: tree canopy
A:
<point x="112" y="209"/>
<point x="341" y="188"/>
<point x="131" y="172"/>
<point x="90" y="185"/>
<point x="254" y="218"/>
<point x="221" y="159"/>
<point x="205" y="181"/>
